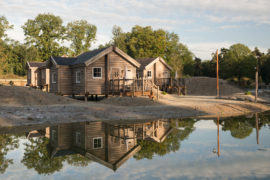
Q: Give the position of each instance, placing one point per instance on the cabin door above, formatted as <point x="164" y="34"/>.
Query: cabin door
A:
<point x="115" y="73"/>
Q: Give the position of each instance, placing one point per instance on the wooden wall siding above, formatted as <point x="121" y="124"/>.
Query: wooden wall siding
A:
<point x="53" y="86"/>
<point x="33" y="76"/>
<point x="95" y="129"/>
<point x="65" y="136"/>
<point x="65" y="80"/>
<point x="78" y="88"/>
<point x="79" y="127"/>
<point x="97" y="86"/>
<point x="151" y="68"/>
<point x="160" y="69"/>
<point x="28" y="76"/>
<point x="54" y="142"/>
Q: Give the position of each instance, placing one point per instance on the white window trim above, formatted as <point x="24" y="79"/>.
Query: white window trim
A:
<point x="53" y="80"/>
<point x="101" y="142"/>
<point x="93" y="73"/>
<point x="147" y="74"/>
<point x="76" y="139"/>
<point x="76" y="76"/>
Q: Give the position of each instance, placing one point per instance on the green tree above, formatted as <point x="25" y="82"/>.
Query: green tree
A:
<point x="240" y="127"/>
<point x="81" y="34"/>
<point x="4" y="26"/>
<point x="7" y="143"/>
<point x="170" y="144"/>
<point x="265" y="69"/>
<point x="36" y="156"/>
<point x="45" y="32"/>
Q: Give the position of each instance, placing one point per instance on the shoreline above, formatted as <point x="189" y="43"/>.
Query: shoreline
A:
<point x="132" y="109"/>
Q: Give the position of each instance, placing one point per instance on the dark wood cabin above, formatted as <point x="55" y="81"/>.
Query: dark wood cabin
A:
<point x="108" y="144"/>
<point x="90" y="72"/>
<point x="155" y="69"/>
<point x="37" y="74"/>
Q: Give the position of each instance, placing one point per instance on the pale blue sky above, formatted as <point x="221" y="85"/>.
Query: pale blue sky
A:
<point x="204" y="25"/>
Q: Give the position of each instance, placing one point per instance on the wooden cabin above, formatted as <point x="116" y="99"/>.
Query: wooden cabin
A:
<point x="94" y="141"/>
<point x="155" y="69"/>
<point x="108" y="144"/>
<point x="37" y="74"/>
<point x="90" y="72"/>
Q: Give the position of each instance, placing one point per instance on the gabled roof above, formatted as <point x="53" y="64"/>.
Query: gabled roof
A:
<point x="36" y="64"/>
<point x="147" y="62"/>
<point x="64" y="60"/>
<point x="91" y="56"/>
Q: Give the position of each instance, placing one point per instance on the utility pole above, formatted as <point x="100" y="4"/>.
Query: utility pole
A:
<point x="256" y="79"/>
<point x="217" y="76"/>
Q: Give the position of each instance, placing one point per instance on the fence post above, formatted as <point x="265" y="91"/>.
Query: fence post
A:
<point x="118" y="85"/>
<point x="124" y="88"/>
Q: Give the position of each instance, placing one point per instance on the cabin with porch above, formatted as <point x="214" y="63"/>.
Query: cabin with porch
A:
<point x="90" y="73"/>
<point x="155" y="69"/>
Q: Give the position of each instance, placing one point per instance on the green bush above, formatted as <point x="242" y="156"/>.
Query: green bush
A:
<point x="164" y="93"/>
<point x="11" y="83"/>
<point x="248" y="93"/>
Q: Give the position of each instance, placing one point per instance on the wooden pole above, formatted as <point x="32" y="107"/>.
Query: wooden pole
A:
<point x="142" y="86"/>
<point x="217" y="75"/>
<point x="256" y="79"/>
<point x="218" y="152"/>
<point x="257" y="128"/>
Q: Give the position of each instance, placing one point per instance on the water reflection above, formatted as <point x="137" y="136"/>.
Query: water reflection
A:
<point x="48" y="150"/>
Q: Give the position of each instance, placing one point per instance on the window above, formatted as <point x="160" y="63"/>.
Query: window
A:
<point x="54" y="135"/>
<point x="53" y="77"/>
<point x="97" y="142"/>
<point x="43" y="74"/>
<point x="149" y="74"/>
<point x="78" y="138"/>
<point x="97" y="73"/>
<point x="78" y="76"/>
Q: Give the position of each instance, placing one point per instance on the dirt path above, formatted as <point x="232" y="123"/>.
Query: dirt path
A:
<point x="169" y="106"/>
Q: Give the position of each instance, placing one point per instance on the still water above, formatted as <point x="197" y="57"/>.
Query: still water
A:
<point x="229" y="148"/>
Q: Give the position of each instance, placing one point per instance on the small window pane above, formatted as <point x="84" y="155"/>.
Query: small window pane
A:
<point x="97" y="72"/>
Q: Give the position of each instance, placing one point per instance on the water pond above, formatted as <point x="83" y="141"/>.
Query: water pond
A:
<point x="220" y="148"/>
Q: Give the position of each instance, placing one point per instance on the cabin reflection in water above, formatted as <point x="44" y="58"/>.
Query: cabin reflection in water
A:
<point x="108" y="144"/>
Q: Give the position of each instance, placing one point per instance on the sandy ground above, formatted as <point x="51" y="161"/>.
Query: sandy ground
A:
<point x="44" y="108"/>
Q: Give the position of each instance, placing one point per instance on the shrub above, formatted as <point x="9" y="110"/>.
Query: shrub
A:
<point x="248" y="93"/>
<point x="164" y="93"/>
<point x="11" y="83"/>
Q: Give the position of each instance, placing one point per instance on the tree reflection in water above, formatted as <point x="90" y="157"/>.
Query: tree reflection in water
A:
<point x="182" y="129"/>
<point x="7" y="143"/>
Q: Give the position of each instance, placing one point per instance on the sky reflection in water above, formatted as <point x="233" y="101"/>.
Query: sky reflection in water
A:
<point x="231" y="148"/>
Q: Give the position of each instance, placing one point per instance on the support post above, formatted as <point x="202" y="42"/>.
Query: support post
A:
<point x="257" y="83"/>
<point x="217" y="76"/>
<point x="96" y="97"/>
<point x="86" y="97"/>
<point x="124" y="86"/>
<point x="106" y="75"/>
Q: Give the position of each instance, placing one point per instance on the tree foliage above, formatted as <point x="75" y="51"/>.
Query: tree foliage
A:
<point x="144" y="42"/>
<point x="81" y="34"/>
<point x="170" y="144"/>
<point x="7" y="143"/>
<point x="45" y="32"/>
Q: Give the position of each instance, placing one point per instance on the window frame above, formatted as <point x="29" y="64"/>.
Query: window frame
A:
<point x="78" y="134"/>
<point x="101" y="143"/>
<point x="150" y="73"/>
<point x="53" y="134"/>
<point x="54" y="78"/>
<point x="93" y="73"/>
<point x="76" y="77"/>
